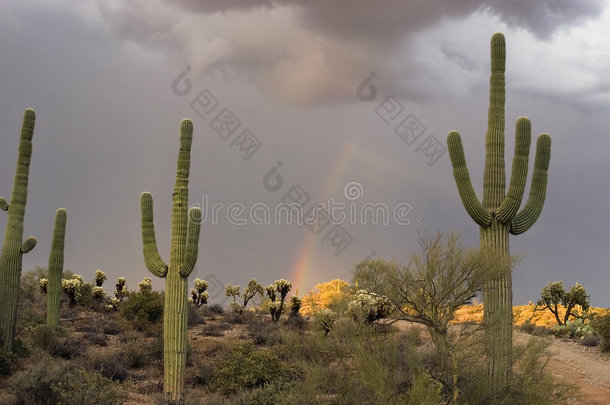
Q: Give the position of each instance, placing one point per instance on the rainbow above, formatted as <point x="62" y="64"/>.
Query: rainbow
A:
<point x="303" y="277"/>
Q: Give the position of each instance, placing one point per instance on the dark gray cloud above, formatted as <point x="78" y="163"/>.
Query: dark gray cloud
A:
<point x="308" y="52"/>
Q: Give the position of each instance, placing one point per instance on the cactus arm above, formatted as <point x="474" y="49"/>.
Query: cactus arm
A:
<point x="509" y="207"/>
<point x="192" y="242"/>
<point x="462" y="179"/>
<point x="153" y="260"/>
<point x="531" y="211"/>
<point x="3" y="204"/>
<point x="494" y="178"/>
<point x="29" y="244"/>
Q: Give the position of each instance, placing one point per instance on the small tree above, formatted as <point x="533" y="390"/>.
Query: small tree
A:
<point x="199" y="294"/>
<point x="100" y="277"/>
<point x="233" y="291"/>
<point x="554" y="294"/>
<point x="429" y="289"/>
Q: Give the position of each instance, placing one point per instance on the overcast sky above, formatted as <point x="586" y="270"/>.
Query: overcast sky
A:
<point x="304" y="101"/>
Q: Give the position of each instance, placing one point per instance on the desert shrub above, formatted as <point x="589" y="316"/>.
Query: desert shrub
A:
<point x="116" y="326"/>
<point x="296" y="321"/>
<point x="143" y="306"/>
<point x="532" y="383"/>
<point x="34" y="385"/>
<point x="108" y="364"/>
<point x="263" y="333"/>
<point x="195" y="317"/>
<point x="212" y="310"/>
<point x="324" y="319"/>
<point x="82" y="386"/>
<point x="573" y="329"/>
<point x="68" y="348"/>
<point x="30" y="317"/>
<point x="213" y="330"/>
<point x="96" y="339"/>
<point x="424" y="391"/>
<point x="247" y="368"/>
<point x="590" y="340"/>
<point x="29" y="284"/>
<point x="601" y="326"/>
<point x="202" y="371"/>
<point x="46" y="337"/>
<point x="526" y="327"/>
<point x="135" y="354"/>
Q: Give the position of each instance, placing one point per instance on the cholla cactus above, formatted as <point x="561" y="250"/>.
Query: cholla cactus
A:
<point x="295" y="305"/>
<point x="253" y="288"/>
<point x="281" y="287"/>
<point x="199" y="294"/>
<point x="145" y="285"/>
<point x="100" y="277"/>
<point x="121" y="289"/>
<point x="235" y="307"/>
<point x="42" y="285"/>
<point x="72" y="288"/>
<point x="232" y="291"/>
<point x="369" y="307"/>
<point x="325" y="319"/>
<point x="113" y="304"/>
<point x="98" y="293"/>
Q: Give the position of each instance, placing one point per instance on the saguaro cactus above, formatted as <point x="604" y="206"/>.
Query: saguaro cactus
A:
<point x="56" y="268"/>
<point x="183" y="255"/>
<point x="14" y="246"/>
<point x="498" y="214"/>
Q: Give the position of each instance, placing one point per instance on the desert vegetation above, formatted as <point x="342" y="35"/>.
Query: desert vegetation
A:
<point x="396" y="333"/>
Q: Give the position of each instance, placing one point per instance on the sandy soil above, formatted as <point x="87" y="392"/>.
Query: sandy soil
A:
<point x="585" y="367"/>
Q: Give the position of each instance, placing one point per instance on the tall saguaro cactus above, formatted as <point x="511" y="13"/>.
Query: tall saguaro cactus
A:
<point x="498" y="214"/>
<point x="183" y="255"/>
<point x="56" y="267"/>
<point x="14" y="246"/>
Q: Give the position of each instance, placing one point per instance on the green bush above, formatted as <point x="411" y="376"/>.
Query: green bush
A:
<point x="143" y="306"/>
<point x="34" y="385"/>
<point x="82" y="386"/>
<point x="247" y="368"/>
<point x="573" y="329"/>
<point x="601" y="326"/>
